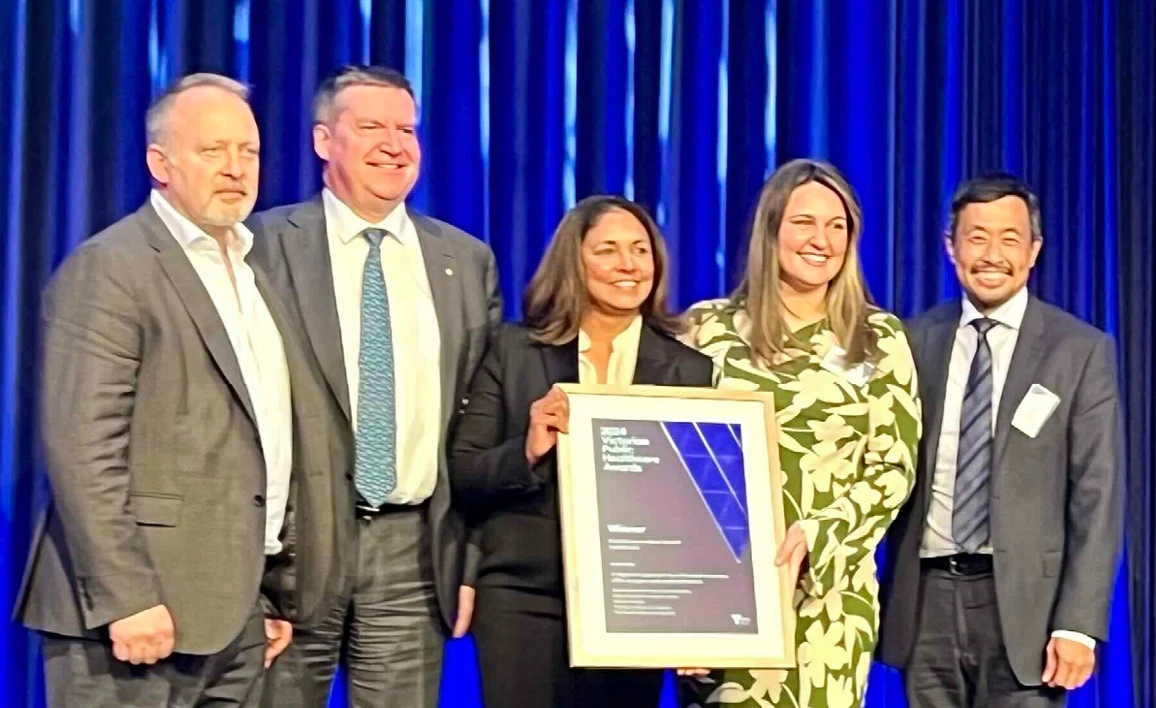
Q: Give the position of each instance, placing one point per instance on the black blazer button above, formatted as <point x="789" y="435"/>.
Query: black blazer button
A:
<point x="258" y="500"/>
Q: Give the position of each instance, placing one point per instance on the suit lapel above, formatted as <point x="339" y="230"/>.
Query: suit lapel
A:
<point x="280" y="317"/>
<point x="935" y="359"/>
<point x="653" y="366"/>
<point x="445" y="287"/>
<point x="306" y="249"/>
<point x="561" y="362"/>
<point x="1030" y="345"/>
<point x="198" y="304"/>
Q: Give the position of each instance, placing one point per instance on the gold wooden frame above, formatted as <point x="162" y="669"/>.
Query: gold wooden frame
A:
<point x="658" y="651"/>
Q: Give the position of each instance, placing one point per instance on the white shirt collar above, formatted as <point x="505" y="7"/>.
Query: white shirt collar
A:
<point x="346" y="225"/>
<point x="1009" y="314"/>
<point x="626" y="339"/>
<point x="189" y="235"/>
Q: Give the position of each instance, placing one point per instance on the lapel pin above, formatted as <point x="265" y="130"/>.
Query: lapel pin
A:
<point x="449" y="271"/>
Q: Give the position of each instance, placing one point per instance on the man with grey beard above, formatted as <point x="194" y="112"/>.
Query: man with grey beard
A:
<point x="166" y="415"/>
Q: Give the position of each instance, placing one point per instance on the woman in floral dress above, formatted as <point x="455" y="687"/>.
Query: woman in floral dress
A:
<point x="801" y="326"/>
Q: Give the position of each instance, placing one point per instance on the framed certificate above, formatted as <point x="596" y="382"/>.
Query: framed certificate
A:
<point x="671" y="510"/>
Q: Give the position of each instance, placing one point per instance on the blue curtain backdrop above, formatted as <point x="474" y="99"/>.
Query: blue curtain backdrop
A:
<point x="683" y="105"/>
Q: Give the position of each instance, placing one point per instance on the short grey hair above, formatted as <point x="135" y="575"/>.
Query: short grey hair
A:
<point x="156" y="119"/>
<point x="354" y="75"/>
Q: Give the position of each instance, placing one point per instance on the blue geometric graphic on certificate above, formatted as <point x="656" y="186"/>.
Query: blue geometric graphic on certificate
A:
<point x="712" y="454"/>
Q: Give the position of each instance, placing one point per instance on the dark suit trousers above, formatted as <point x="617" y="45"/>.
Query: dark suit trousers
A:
<point x="83" y="673"/>
<point x="388" y="633"/>
<point x="524" y="662"/>
<point x="959" y="659"/>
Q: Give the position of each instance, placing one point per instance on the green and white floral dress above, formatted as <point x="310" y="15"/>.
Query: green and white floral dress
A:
<point x="848" y="441"/>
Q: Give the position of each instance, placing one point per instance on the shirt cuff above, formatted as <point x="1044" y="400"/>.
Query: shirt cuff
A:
<point x="1075" y="637"/>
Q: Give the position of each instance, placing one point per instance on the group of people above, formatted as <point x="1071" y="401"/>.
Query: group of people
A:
<point x="286" y="442"/>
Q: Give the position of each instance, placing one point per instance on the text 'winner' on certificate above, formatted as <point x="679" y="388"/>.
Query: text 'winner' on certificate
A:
<point x="675" y="533"/>
<point x="670" y="503"/>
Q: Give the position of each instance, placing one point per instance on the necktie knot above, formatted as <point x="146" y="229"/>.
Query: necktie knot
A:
<point x="983" y="325"/>
<point x="374" y="236"/>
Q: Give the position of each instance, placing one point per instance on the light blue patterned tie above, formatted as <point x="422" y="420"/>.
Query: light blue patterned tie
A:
<point x="969" y="521"/>
<point x="376" y="464"/>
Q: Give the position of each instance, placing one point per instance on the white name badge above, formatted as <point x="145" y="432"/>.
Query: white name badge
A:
<point x="836" y="362"/>
<point x="1034" y="410"/>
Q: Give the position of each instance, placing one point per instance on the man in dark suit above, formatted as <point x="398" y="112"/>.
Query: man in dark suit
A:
<point x="1001" y="566"/>
<point x="167" y="421"/>
<point x="396" y="307"/>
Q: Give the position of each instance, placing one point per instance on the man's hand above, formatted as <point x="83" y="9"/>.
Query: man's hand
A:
<point x="278" y="634"/>
<point x="793" y="552"/>
<point x="465" y="611"/>
<point x="1069" y="663"/>
<point x="144" y="638"/>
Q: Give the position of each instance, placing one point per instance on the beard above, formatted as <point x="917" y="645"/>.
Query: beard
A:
<point x="221" y="214"/>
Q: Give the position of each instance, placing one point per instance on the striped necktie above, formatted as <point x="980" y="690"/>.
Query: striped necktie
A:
<point x="969" y="522"/>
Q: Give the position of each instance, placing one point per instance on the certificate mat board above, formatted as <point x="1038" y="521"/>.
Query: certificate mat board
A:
<point x="671" y="510"/>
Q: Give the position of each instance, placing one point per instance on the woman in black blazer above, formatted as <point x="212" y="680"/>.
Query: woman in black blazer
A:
<point x="595" y="312"/>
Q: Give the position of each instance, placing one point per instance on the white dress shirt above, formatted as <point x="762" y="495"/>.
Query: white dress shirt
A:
<point x="623" y="357"/>
<point x="257" y="345"/>
<point x="937" y="538"/>
<point x="416" y="338"/>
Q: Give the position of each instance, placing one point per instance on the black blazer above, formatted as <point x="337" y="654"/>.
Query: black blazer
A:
<point x="513" y="505"/>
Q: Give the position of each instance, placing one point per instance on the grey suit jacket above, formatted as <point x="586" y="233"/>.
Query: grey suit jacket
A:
<point x="153" y="453"/>
<point x="292" y="245"/>
<point x="1056" y="499"/>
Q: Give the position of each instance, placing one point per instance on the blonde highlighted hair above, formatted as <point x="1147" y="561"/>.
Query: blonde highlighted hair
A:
<point x="848" y="302"/>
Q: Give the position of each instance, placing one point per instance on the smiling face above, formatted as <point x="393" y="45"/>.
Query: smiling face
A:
<point x="618" y="263"/>
<point x="993" y="250"/>
<point x="370" y="148"/>
<point x="813" y="238"/>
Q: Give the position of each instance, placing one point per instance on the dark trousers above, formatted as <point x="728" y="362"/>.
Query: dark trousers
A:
<point x="83" y="673"/>
<point x="388" y="633"/>
<point x="959" y="659"/>
<point x="524" y="661"/>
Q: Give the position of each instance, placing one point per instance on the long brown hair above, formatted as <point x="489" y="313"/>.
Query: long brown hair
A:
<point x="848" y="301"/>
<point x="556" y="297"/>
